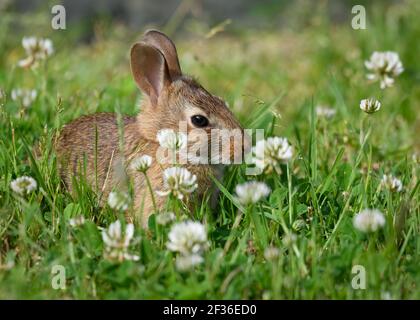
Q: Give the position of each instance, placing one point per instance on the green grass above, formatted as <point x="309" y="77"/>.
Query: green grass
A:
<point x="272" y="79"/>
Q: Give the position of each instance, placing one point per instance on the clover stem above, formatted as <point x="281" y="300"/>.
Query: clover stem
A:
<point x="151" y="192"/>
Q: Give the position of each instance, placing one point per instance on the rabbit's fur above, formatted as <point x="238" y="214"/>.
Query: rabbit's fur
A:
<point x="93" y="147"/>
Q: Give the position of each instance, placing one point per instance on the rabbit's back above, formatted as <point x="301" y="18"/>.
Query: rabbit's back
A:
<point x="88" y="148"/>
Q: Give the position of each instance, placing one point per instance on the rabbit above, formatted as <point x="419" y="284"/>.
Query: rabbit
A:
<point x="91" y="147"/>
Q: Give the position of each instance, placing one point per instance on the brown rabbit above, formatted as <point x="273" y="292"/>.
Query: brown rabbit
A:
<point x="92" y="146"/>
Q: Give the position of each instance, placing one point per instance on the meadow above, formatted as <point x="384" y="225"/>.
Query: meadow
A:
<point x="304" y="82"/>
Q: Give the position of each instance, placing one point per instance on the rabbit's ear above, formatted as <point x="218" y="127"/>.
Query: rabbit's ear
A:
<point x="168" y="49"/>
<point x="149" y="70"/>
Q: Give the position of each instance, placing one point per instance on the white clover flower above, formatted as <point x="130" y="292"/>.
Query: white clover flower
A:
<point x="142" y="163"/>
<point x="188" y="238"/>
<point x="25" y="96"/>
<point x="116" y="243"/>
<point x="178" y="182"/>
<point x="326" y="112"/>
<point x="289" y="239"/>
<point x="165" y="218"/>
<point x="8" y="265"/>
<point x="392" y="183"/>
<point x="113" y="237"/>
<point x="23" y="185"/>
<point x="384" y="66"/>
<point x="269" y="153"/>
<point x="386" y="295"/>
<point x="77" y="221"/>
<point x="119" y="200"/>
<point x="37" y="50"/>
<point x="251" y="192"/>
<point x="370" y="105"/>
<point x="271" y="253"/>
<point x="369" y="220"/>
<point x="184" y="263"/>
<point x="172" y="140"/>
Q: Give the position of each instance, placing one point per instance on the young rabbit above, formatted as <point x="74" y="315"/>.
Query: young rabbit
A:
<point x="100" y="147"/>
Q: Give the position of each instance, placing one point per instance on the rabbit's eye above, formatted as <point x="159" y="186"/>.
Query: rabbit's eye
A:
<point x="199" y="121"/>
